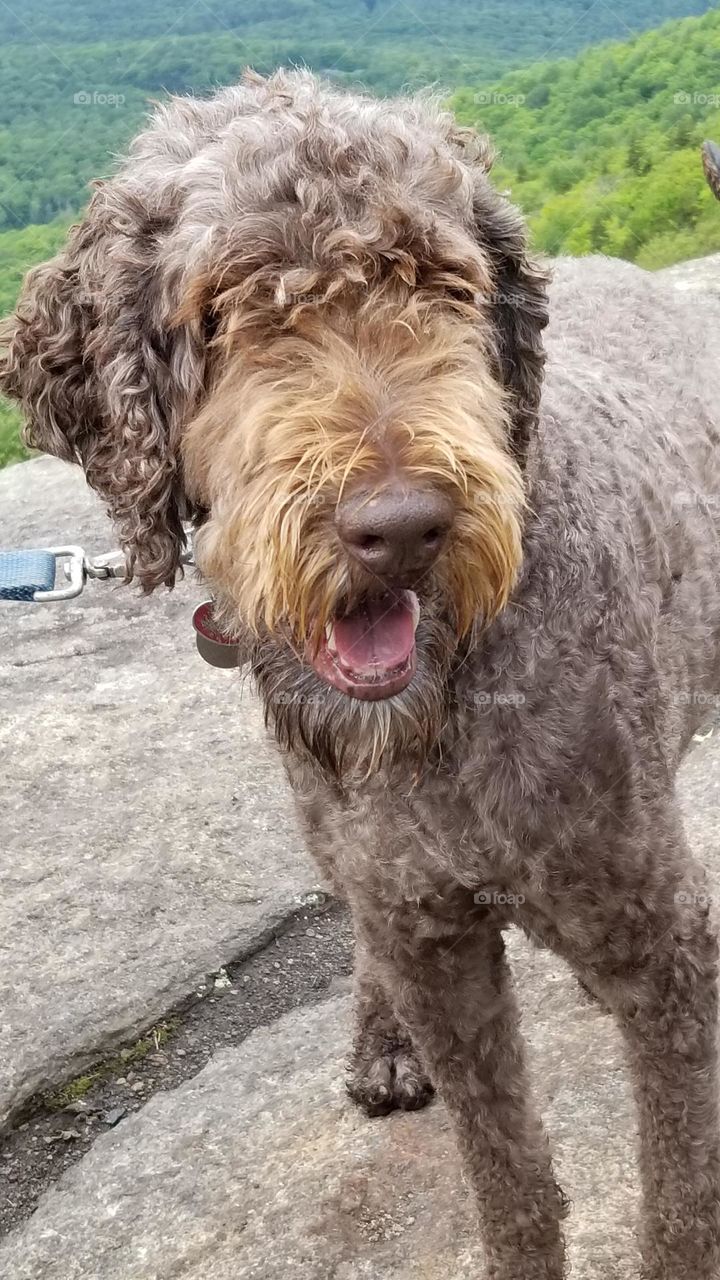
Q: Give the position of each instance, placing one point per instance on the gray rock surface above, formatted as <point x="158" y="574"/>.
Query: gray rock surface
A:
<point x="147" y="834"/>
<point x="701" y="275"/>
<point x="260" y="1167"/>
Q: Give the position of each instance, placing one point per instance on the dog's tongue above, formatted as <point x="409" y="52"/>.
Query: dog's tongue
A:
<point x="378" y="636"/>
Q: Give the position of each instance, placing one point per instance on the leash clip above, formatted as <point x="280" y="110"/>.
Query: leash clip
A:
<point x="78" y="567"/>
<point x="111" y="565"/>
<point x="74" y="570"/>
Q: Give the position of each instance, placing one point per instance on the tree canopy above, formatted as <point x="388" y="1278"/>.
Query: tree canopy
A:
<point x="602" y="152"/>
<point x="76" y="75"/>
<point x="601" y="149"/>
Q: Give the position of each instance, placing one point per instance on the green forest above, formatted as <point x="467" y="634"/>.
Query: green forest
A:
<point x="602" y="152"/>
<point x="511" y="29"/>
<point x="75" y="77"/>
<point x="598" y="127"/>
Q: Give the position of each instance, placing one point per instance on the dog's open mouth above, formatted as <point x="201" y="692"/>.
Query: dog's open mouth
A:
<point x="369" y="653"/>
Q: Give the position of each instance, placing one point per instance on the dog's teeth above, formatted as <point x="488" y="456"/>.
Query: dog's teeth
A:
<point x="415" y="611"/>
<point x="330" y="636"/>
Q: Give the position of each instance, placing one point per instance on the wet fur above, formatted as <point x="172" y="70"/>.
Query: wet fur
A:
<point x="527" y="775"/>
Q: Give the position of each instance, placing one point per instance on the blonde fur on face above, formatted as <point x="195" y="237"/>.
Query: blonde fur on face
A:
<point x="347" y="399"/>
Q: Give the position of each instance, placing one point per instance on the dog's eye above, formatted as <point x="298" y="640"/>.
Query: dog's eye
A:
<point x="210" y="325"/>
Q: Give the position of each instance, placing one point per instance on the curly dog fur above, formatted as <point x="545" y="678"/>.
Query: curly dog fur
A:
<point x="290" y="305"/>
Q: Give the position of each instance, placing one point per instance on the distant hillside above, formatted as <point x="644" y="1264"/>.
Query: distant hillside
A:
<point x="602" y="152"/>
<point x="75" y="75"/>
<point x="508" y="30"/>
<point x="18" y="251"/>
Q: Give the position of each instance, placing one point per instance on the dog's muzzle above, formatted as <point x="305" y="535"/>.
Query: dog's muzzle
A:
<point x="396" y="534"/>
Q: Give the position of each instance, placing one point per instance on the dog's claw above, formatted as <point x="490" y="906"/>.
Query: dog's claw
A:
<point x="392" y="1081"/>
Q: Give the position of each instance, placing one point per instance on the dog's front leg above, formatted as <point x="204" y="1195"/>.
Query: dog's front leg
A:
<point x="384" y="1070"/>
<point x="453" y="991"/>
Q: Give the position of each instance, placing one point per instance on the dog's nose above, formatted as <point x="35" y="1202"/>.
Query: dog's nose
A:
<point x="397" y="532"/>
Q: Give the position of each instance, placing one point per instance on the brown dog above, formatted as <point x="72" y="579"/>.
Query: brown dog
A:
<point x="484" y="628"/>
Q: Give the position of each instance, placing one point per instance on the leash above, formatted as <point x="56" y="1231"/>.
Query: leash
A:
<point x="32" y="576"/>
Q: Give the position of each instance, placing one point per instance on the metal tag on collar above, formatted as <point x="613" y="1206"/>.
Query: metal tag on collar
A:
<point x="213" y="646"/>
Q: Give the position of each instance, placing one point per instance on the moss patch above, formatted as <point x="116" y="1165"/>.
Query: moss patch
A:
<point x="75" y="1089"/>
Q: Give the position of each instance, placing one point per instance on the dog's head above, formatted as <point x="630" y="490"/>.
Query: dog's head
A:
<point x="339" y="382"/>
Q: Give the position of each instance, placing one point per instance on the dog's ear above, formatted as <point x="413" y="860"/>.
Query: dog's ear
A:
<point x="519" y="304"/>
<point x="41" y="358"/>
<point x="711" y="165"/>
<point x="104" y="379"/>
<point x="519" y="307"/>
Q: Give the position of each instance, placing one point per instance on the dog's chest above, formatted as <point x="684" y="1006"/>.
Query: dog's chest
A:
<point x="417" y="837"/>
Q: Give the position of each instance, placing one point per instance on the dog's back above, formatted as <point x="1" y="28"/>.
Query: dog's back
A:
<point x="630" y="436"/>
<point x="607" y="312"/>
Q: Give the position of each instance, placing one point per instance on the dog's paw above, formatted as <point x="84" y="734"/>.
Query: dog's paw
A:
<point x="392" y="1079"/>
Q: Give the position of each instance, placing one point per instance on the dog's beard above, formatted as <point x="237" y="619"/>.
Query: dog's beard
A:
<point x="348" y="737"/>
